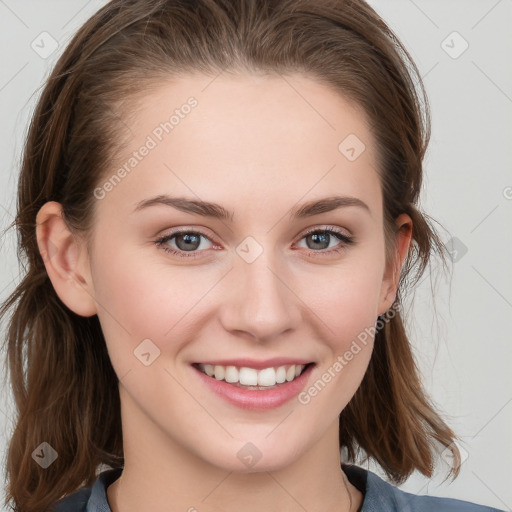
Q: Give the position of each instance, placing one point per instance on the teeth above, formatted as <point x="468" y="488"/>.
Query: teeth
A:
<point x="219" y="372"/>
<point x="267" y="377"/>
<point x="248" y="376"/>
<point x="281" y="375"/>
<point x="252" y="377"/>
<point x="231" y="374"/>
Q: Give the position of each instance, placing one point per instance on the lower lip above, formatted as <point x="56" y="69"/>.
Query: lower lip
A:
<point x="253" y="399"/>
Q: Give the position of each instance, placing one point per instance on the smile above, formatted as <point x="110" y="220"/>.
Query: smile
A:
<point x="252" y="378"/>
<point x="253" y="385"/>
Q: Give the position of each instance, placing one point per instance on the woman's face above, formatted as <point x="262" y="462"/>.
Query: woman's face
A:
<point x="250" y="290"/>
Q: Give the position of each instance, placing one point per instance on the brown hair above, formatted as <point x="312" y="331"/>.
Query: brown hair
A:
<point x="65" y="388"/>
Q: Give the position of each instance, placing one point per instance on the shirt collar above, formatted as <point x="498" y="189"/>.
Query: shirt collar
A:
<point x="98" y="500"/>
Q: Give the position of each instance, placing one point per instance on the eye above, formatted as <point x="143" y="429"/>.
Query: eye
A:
<point x="321" y="238"/>
<point x="185" y="241"/>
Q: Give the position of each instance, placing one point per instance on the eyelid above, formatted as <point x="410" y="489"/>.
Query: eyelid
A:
<point x="207" y="233"/>
<point x="204" y="232"/>
<point x="327" y="227"/>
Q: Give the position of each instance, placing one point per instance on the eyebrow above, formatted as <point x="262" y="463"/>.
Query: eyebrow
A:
<point x="214" y="210"/>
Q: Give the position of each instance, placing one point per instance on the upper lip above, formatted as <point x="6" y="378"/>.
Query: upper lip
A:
<point x="256" y="364"/>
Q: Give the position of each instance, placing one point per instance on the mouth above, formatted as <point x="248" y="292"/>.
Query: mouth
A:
<point x="247" y="377"/>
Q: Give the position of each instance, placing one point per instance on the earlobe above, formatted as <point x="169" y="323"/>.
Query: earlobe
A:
<point x="65" y="259"/>
<point x="393" y="270"/>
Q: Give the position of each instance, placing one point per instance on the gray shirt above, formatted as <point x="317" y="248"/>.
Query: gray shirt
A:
<point x="379" y="496"/>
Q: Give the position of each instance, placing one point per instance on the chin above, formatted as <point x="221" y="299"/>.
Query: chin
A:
<point x="255" y="457"/>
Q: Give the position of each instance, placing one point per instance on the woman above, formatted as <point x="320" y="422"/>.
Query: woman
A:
<point x="218" y="202"/>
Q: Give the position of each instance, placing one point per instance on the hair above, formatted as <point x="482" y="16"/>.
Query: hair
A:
<point x="64" y="386"/>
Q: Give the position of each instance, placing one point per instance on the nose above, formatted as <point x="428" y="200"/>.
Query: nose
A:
<point x="259" y="300"/>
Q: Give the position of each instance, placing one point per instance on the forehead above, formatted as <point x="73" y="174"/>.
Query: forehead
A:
<point x="245" y="141"/>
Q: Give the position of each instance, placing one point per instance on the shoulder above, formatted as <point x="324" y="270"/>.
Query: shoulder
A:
<point x="410" y="502"/>
<point x="381" y="496"/>
<point x="89" y="499"/>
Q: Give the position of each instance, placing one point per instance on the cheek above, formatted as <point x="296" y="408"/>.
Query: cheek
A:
<point x="346" y="300"/>
<point x="139" y="299"/>
<point x="349" y="315"/>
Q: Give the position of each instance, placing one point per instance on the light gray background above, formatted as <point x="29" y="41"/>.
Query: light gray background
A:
<point x="462" y="339"/>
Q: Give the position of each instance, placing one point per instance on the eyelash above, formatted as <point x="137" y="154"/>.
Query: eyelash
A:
<point x="331" y="230"/>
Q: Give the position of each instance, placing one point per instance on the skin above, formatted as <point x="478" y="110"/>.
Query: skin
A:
<point x="259" y="147"/>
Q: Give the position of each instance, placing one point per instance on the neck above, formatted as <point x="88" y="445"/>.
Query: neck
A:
<point x="160" y="474"/>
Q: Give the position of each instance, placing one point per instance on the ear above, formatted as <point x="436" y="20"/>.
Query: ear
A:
<point x="393" y="269"/>
<point x="66" y="260"/>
